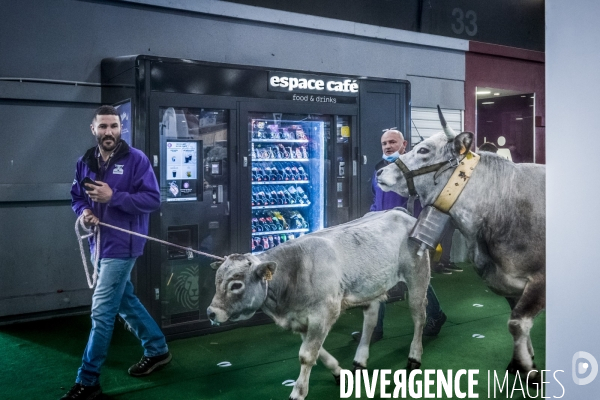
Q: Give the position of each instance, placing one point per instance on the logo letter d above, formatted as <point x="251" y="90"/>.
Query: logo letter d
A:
<point x="582" y="368"/>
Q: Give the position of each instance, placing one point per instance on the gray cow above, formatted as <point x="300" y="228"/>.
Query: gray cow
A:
<point x="501" y="214"/>
<point x="319" y="275"/>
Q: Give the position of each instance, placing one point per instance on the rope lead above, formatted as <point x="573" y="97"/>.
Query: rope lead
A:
<point x="95" y="232"/>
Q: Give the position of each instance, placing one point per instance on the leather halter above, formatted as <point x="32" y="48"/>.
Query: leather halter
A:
<point x="409" y="175"/>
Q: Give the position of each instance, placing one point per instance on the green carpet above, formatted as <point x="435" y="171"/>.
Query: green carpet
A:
<point x="40" y="359"/>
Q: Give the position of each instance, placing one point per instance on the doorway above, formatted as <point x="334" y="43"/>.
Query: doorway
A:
<point x="505" y="119"/>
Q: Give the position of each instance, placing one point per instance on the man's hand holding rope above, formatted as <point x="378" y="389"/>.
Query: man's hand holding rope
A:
<point x="89" y="218"/>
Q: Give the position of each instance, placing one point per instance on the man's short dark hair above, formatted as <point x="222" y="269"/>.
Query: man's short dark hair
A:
<point x="487" y="146"/>
<point x="106" y="110"/>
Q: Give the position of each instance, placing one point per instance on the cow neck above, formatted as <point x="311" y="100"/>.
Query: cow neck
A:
<point x="457" y="182"/>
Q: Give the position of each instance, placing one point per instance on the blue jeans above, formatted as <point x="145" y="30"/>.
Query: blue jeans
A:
<point x="114" y="295"/>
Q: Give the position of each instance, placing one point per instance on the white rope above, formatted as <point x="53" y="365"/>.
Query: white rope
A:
<point x="95" y="231"/>
<point x="92" y="231"/>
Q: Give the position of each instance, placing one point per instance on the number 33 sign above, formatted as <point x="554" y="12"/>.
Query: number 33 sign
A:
<point x="464" y="22"/>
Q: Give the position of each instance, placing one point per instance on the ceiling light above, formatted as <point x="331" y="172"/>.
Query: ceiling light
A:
<point x="519" y="119"/>
<point x="496" y="94"/>
<point x="488" y="102"/>
<point x="523" y="96"/>
<point x="484" y="92"/>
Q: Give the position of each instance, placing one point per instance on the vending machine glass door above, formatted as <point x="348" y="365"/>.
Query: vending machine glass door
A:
<point x="195" y="213"/>
<point x="287" y="153"/>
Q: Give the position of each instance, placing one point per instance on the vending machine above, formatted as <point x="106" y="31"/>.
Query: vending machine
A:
<point x="243" y="166"/>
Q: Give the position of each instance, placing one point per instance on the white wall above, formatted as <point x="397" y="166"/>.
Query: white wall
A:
<point x="573" y="189"/>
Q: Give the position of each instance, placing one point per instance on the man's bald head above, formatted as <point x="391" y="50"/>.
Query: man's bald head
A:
<point x="393" y="141"/>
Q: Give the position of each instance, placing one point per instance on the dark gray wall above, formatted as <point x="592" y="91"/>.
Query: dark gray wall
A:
<point x="49" y="85"/>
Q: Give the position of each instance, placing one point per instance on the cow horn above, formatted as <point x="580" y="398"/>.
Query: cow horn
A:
<point x="447" y="130"/>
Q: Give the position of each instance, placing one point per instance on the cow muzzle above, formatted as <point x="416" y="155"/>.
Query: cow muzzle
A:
<point x="213" y="315"/>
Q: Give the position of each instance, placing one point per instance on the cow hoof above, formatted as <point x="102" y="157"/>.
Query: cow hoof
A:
<point x="512" y="367"/>
<point x="515" y="366"/>
<point x="534" y="379"/>
<point x="357" y="366"/>
<point x="412" y="364"/>
<point x="337" y="379"/>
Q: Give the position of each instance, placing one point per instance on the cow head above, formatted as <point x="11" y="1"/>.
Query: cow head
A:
<point x="241" y="288"/>
<point x="441" y="147"/>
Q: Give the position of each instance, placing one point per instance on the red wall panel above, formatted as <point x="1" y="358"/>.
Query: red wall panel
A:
<point x="502" y="67"/>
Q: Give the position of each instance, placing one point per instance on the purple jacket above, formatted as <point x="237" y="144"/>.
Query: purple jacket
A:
<point x="135" y="195"/>
<point x="388" y="200"/>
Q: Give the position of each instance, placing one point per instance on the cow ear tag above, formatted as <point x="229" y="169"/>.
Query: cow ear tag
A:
<point x="462" y="150"/>
<point x="268" y="275"/>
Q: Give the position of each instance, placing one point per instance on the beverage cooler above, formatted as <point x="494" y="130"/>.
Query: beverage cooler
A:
<point x="244" y="164"/>
<point x="288" y="177"/>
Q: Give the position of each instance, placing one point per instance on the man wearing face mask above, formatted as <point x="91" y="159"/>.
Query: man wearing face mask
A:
<point x="123" y="191"/>
<point x="393" y="145"/>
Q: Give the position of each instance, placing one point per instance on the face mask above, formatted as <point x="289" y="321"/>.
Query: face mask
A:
<point x="392" y="157"/>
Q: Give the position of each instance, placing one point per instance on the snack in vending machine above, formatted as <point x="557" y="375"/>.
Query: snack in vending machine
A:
<point x="283" y="151"/>
<point x="298" y="152"/>
<point x="270" y="240"/>
<point x="265" y="243"/>
<point x="275" y="175"/>
<point x="281" y="195"/>
<point x="286" y="134"/>
<point x="296" y="173"/>
<point x="267" y="173"/>
<point x="303" y="195"/>
<point x="281" y="219"/>
<point x="289" y="197"/>
<point x="295" y="195"/>
<point x="276" y="199"/>
<point x="274" y="131"/>
<point x="271" y="200"/>
<point x="260" y="129"/>
<point x="258" y="244"/>
<point x="287" y="174"/>
<point x="302" y="173"/>
<point x="304" y="152"/>
<point x="300" y="135"/>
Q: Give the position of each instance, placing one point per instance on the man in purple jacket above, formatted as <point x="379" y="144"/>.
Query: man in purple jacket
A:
<point x="124" y="194"/>
<point x="392" y="145"/>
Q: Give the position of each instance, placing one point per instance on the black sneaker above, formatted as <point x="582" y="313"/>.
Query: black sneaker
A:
<point x="148" y="364"/>
<point x="434" y="325"/>
<point x="440" y="268"/>
<point x="82" y="392"/>
<point x="375" y="337"/>
<point x="453" y="267"/>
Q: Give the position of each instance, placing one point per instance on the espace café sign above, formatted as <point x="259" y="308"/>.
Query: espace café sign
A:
<point x="312" y="88"/>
